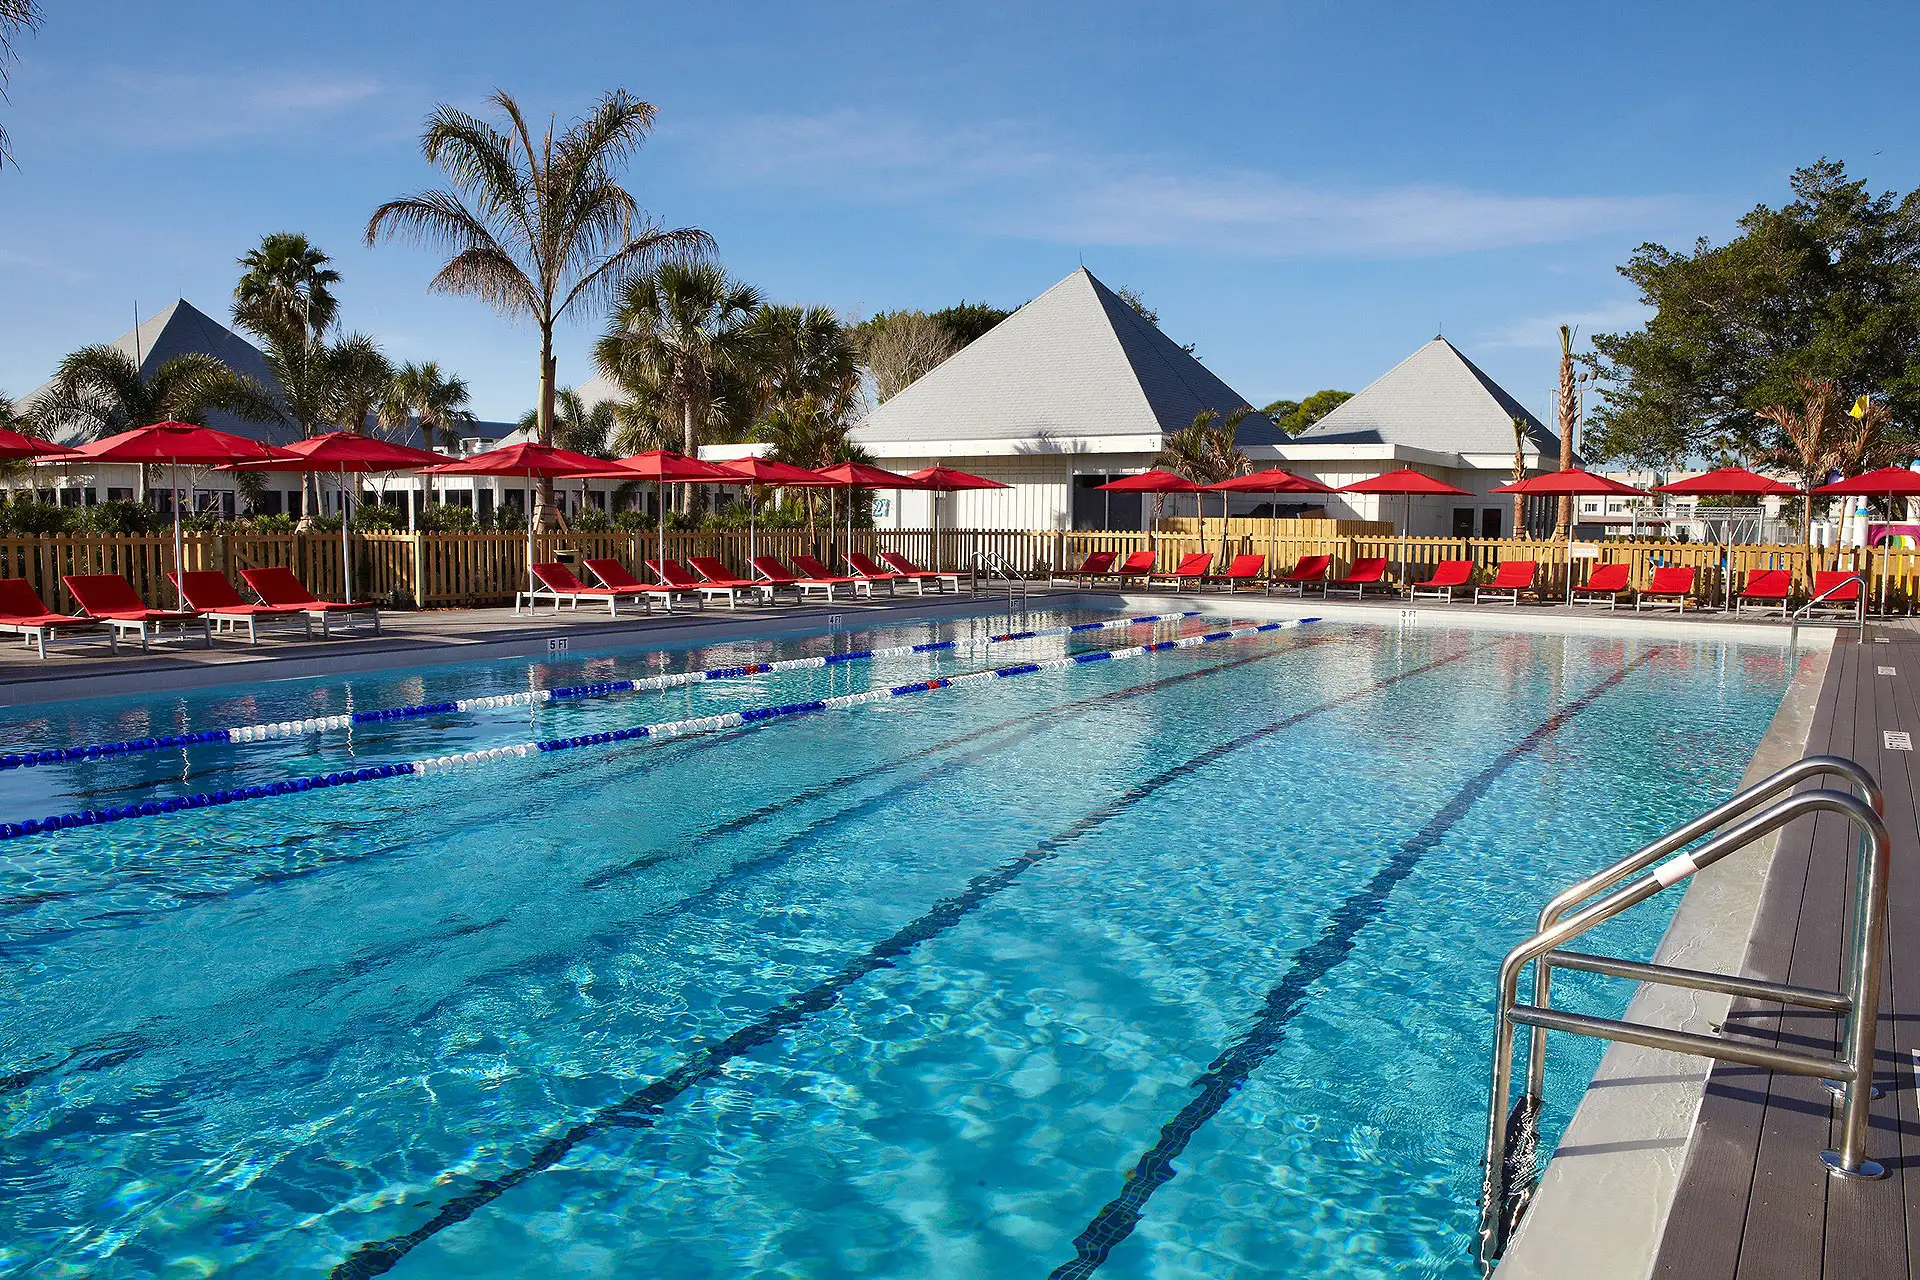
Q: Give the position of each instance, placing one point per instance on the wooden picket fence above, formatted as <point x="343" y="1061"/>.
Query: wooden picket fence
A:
<point x="429" y="570"/>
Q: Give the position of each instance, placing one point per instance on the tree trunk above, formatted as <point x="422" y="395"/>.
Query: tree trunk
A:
<point x="1569" y="408"/>
<point x="542" y="514"/>
<point x="687" y="447"/>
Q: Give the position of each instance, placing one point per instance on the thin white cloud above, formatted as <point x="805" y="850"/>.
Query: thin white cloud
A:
<point x="191" y="109"/>
<point x="1542" y="332"/>
<point x="1000" y="177"/>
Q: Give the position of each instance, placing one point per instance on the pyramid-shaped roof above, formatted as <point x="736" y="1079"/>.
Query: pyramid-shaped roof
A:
<point x="182" y="328"/>
<point x="1075" y="361"/>
<point x="1434" y="399"/>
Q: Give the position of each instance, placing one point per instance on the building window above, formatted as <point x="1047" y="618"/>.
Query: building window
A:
<point x="1489" y="522"/>
<point x="116" y="494"/>
<point x="1463" y="522"/>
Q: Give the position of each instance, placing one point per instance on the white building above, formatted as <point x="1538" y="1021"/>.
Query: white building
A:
<point x="1077" y="388"/>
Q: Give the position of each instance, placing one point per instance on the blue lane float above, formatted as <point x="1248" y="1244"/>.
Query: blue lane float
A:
<point x="641" y="733"/>
<point x="327" y="724"/>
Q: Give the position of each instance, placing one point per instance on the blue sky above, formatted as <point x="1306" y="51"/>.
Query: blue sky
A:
<point x="1306" y="191"/>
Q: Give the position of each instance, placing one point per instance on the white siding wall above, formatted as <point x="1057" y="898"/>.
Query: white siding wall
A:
<point x="1037" y="500"/>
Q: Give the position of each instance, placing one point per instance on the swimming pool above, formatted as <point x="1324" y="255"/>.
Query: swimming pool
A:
<point x="1172" y="967"/>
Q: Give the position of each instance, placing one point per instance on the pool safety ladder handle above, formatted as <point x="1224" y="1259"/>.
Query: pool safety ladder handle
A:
<point x="992" y="564"/>
<point x="1510" y="1166"/>
<point x="1859" y="618"/>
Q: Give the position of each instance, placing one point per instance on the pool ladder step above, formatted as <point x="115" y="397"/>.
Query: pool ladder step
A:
<point x="1511" y="1165"/>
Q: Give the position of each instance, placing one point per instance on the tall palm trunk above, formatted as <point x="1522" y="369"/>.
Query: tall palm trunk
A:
<point x="686" y="440"/>
<point x="1569" y="412"/>
<point x="542" y="515"/>
<point x="1519" y="474"/>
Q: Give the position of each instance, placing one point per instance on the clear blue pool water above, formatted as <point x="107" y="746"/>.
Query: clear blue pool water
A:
<point x="1177" y="967"/>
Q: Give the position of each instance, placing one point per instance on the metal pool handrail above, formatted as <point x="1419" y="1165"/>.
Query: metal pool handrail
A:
<point x="1507" y="1170"/>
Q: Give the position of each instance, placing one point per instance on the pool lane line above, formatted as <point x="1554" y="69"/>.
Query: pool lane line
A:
<point x="661" y="732"/>
<point x="1338" y="936"/>
<point x="642" y="1108"/>
<point x="570" y="693"/>
<point x="1026" y="722"/>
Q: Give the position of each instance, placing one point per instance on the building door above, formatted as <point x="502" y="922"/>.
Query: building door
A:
<point x="1489" y="522"/>
<point x="1463" y="522"/>
<point x="1094" y="508"/>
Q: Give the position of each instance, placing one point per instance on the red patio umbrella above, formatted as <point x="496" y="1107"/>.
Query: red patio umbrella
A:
<point x="1272" y="480"/>
<point x="1406" y="482"/>
<point x="1155" y="481"/>
<point x="175" y="443"/>
<point x="779" y="475"/>
<point x="941" y="479"/>
<point x="663" y="467"/>
<point x="534" y="461"/>
<point x="1728" y="482"/>
<point x="341" y="452"/>
<point x="15" y="445"/>
<point x="858" y="475"/>
<point x="1571" y="483"/>
<point x="1888" y="483"/>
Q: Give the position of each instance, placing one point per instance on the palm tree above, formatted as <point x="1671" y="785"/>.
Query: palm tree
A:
<point x="809" y="432"/>
<point x="98" y="391"/>
<point x="806" y="351"/>
<point x="358" y="381"/>
<point x="676" y="333"/>
<point x="536" y="227"/>
<point x="1205" y="452"/>
<point x="1865" y="444"/>
<point x="1567" y="402"/>
<point x="1519" y="474"/>
<point x="575" y="426"/>
<point x="286" y="288"/>
<point x="431" y="400"/>
<point x="16" y="17"/>
<point x="1809" y="435"/>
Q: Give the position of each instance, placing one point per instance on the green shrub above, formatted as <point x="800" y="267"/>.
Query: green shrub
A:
<point x="446" y="517"/>
<point x="31" y="516"/>
<point x="592" y="520"/>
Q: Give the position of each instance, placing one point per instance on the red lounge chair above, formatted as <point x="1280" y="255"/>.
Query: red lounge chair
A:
<point x="1836" y="594"/>
<point x="718" y="575"/>
<point x="219" y="601"/>
<point x="279" y="586"/>
<point x="1368" y="571"/>
<point x="1605" y="585"/>
<point x="1766" y="589"/>
<point x="111" y="598"/>
<point x="1192" y="568"/>
<point x="1671" y="585"/>
<point x="679" y="580"/>
<point x="818" y="572"/>
<point x="22" y="613"/>
<point x="864" y="567"/>
<point x="777" y="576"/>
<point x="555" y="582"/>
<point x="1512" y="577"/>
<point x="1243" y="570"/>
<point x="1097" y="565"/>
<point x="1448" y="577"/>
<point x="908" y="569"/>
<point x="1310" y="569"/>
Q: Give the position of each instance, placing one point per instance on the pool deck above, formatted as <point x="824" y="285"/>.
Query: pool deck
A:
<point x="1754" y="1200"/>
<point x="82" y="667"/>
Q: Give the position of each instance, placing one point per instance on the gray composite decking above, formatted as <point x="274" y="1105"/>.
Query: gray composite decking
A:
<point x="1755" y="1202"/>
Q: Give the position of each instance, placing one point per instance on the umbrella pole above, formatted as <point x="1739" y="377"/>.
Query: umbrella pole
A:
<point x="1880" y="553"/>
<point x="346" y="556"/>
<point x="556" y="603"/>
<point x="660" y="548"/>
<point x="179" y="565"/>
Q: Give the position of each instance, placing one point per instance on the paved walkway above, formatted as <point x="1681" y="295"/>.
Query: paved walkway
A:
<point x="1755" y="1202"/>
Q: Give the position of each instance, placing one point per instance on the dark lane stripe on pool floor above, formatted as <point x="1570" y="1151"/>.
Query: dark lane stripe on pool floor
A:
<point x="1224" y="1076"/>
<point x="641" y="1109"/>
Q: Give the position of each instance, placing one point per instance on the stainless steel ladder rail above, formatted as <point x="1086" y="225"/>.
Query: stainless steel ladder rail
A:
<point x="992" y="563"/>
<point x="1502" y="1199"/>
<point x="1859" y="618"/>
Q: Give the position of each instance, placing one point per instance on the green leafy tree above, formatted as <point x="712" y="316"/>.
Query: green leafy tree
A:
<point x="1295" y="416"/>
<point x="359" y="379"/>
<point x="810" y="432"/>
<point x="968" y="320"/>
<point x="679" y="333"/>
<point x="1825" y="287"/>
<point x="17" y="17"/>
<point x="537" y="227"/>
<point x="424" y="396"/>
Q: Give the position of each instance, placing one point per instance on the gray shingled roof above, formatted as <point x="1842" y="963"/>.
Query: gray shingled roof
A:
<point x="182" y="328"/>
<point x="1434" y="399"/>
<point x="1076" y="361"/>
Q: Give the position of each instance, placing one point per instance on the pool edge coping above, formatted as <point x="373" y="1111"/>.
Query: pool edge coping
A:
<point x="1603" y="1202"/>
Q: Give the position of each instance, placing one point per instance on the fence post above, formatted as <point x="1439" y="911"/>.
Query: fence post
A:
<point x="418" y="558"/>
